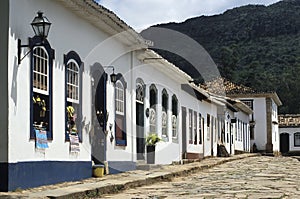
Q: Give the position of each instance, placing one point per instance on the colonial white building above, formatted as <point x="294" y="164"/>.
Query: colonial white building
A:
<point x="289" y="130"/>
<point x="263" y="122"/>
<point x="233" y="118"/>
<point x="91" y="91"/>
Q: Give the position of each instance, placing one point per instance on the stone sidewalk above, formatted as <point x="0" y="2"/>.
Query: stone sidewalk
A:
<point x="110" y="184"/>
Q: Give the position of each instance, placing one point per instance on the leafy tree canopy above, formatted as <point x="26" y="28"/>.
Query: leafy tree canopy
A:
<point x="254" y="45"/>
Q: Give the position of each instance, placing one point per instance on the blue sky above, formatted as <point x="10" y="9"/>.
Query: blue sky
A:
<point x="141" y="14"/>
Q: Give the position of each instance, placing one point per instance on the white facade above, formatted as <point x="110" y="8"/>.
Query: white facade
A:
<point x="265" y="134"/>
<point x="112" y="119"/>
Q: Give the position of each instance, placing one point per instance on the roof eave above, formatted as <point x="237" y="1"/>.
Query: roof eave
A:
<point x="105" y="20"/>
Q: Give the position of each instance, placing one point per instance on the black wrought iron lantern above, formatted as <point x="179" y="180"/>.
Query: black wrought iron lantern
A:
<point x="113" y="77"/>
<point x="41" y="25"/>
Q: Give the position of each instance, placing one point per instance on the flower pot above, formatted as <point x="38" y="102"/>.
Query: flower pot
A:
<point x="151" y="154"/>
<point x="98" y="170"/>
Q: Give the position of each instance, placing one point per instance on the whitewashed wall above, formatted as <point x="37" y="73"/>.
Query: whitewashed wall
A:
<point x="68" y="32"/>
<point x="260" y="118"/>
<point x="166" y="151"/>
<point x="204" y="108"/>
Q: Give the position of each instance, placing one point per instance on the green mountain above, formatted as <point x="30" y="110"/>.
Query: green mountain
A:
<point x="254" y="45"/>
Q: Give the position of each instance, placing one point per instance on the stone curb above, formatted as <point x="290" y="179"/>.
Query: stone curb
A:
<point x="166" y="173"/>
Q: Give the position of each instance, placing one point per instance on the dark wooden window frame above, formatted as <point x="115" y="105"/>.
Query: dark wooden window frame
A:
<point x="38" y="42"/>
<point x="72" y="55"/>
<point x="121" y="140"/>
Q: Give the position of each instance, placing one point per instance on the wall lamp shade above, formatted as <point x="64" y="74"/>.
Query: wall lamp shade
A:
<point x="113" y="78"/>
<point x="41" y="25"/>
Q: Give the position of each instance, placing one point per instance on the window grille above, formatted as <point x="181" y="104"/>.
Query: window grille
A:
<point x="73" y="82"/>
<point x="40" y="71"/>
<point x="119" y="98"/>
<point x="297" y="139"/>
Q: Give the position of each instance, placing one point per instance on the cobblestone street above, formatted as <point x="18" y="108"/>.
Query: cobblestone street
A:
<point x="255" y="177"/>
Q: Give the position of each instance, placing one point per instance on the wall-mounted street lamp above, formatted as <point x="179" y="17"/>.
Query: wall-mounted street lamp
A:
<point x="113" y="76"/>
<point x="41" y="26"/>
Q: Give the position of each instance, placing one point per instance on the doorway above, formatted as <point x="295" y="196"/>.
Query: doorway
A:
<point x="284" y="142"/>
<point x="140" y="133"/>
<point x="99" y="114"/>
<point x="184" y="138"/>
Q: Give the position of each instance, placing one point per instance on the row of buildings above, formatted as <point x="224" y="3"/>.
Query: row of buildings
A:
<point x="92" y="90"/>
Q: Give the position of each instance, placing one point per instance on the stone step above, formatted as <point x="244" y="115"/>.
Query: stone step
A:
<point x="147" y="167"/>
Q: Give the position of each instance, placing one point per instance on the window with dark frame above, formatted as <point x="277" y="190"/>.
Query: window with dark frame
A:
<point x="164" y="116"/>
<point x="119" y="95"/>
<point x="73" y="89"/>
<point x="200" y="128"/>
<point x="190" y="126"/>
<point x="297" y="139"/>
<point x="212" y="128"/>
<point x="41" y="88"/>
<point x="152" y="112"/>
<point x="248" y="103"/>
<point x="208" y="127"/>
<point x="174" y="116"/>
<point x="120" y="111"/>
<point x="195" y="128"/>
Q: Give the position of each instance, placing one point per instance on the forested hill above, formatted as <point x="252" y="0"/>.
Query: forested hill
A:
<point x="254" y="45"/>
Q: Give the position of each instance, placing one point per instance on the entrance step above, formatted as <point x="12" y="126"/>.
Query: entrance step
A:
<point x="142" y="165"/>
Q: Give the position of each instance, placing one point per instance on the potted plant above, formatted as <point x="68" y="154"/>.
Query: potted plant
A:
<point x="151" y="140"/>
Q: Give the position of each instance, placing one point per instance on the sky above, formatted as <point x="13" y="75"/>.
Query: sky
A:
<point x="140" y="14"/>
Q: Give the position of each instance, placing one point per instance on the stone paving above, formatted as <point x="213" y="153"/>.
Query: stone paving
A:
<point x="254" y="177"/>
<point x="109" y="184"/>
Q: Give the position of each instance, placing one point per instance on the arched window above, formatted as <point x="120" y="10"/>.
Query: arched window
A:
<point x="119" y="98"/>
<point x="297" y="139"/>
<point x="40" y="71"/>
<point x="164" y="116"/>
<point x="140" y="92"/>
<point x="152" y="112"/>
<point x="200" y="121"/>
<point x="174" y="117"/>
<point x="73" y="81"/>
<point x="41" y="88"/>
<point x="120" y="111"/>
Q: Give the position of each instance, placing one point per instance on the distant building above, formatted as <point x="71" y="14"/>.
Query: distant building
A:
<point x="289" y="130"/>
<point x="264" y="132"/>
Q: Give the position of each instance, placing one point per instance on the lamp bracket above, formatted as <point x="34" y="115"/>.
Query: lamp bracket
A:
<point x="20" y="46"/>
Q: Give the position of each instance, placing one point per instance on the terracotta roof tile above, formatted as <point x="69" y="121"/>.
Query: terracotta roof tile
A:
<point x="223" y="86"/>
<point x="289" y="120"/>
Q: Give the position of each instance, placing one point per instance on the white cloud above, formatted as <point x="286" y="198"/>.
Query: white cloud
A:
<point x="141" y="14"/>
